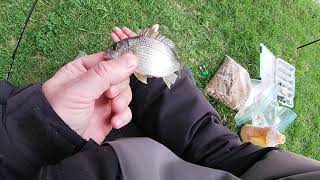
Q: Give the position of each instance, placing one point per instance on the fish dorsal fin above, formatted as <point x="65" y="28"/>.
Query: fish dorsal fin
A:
<point x="168" y="42"/>
<point x="153" y="31"/>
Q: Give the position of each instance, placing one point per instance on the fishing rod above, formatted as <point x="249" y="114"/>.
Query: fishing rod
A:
<point x="20" y="37"/>
<point x="308" y="44"/>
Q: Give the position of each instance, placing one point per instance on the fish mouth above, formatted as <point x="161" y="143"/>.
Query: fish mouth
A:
<point x="109" y="54"/>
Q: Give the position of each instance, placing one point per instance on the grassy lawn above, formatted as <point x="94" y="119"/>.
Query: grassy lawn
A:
<point x="205" y="30"/>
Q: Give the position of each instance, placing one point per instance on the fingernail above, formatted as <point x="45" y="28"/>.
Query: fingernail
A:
<point x="116" y="29"/>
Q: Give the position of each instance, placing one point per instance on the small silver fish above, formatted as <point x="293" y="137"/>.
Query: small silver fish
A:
<point x="156" y="54"/>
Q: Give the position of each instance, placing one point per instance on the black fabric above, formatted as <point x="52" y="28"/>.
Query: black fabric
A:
<point x="92" y="162"/>
<point x="130" y="130"/>
<point x="183" y="120"/>
<point x="5" y="91"/>
<point x="37" y="144"/>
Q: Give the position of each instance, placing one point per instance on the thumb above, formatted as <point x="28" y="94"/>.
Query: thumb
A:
<point x="107" y="73"/>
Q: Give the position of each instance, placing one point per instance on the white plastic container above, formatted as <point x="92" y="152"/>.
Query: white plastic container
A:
<point x="277" y="70"/>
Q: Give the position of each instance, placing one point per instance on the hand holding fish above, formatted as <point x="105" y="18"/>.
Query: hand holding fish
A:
<point x="157" y="56"/>
<point x="118" y="34"/>
<point x="92" y="95"/>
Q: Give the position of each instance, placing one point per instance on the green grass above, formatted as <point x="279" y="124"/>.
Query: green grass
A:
<point x="204" y="30"/>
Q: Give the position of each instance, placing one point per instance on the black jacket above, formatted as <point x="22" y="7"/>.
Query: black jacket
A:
<point x="36" y="144"/>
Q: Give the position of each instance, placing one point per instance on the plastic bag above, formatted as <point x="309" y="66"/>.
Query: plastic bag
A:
<point x="231" y="84"/>
<point x="263" y="109"/>
<point x="286" y="117"/>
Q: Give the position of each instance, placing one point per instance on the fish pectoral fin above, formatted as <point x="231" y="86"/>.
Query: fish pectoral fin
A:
<point x="141" y="77"/>
<point x="169" y="80"/>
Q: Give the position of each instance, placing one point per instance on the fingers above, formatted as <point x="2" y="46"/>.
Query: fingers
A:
<point x="77" y="67"/>
<point x="91" y="60"/>
<point x="118" y="34"/>
<point x="121" y="102"/>
<point x="98" y="126"/>
<point x="120" y="109"/>
<point x="128" y="32"/>
<point x="120" y="120"/>
<point x="114" y="91"/>
<point x="114" y="37"/>
<point x="120" y="106"/>
<point x="106" y="74"/>
<point x="121" y="112"/>
<point x="97" y="131"/>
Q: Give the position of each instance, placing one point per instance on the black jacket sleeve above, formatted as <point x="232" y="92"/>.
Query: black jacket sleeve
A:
<point x="36" y="144"/>
<point x="92" y="162"/>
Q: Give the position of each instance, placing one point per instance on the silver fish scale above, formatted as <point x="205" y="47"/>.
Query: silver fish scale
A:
<point x="155" y="58"/>
<point x="147" y="42"/>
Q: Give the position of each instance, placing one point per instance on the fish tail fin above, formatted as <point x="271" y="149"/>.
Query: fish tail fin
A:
<point x="169" y="80"/>
<point x="141" y="77"/>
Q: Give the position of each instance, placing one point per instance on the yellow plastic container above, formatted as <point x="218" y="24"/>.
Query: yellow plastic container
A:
<point x="262" y="136"/>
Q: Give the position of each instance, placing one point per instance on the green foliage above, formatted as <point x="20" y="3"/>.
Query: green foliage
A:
<point x="204" y="31"/>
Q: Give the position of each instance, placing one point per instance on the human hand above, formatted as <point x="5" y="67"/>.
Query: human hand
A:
<point x="118" y="34"/>
<point x="92" y="95"/>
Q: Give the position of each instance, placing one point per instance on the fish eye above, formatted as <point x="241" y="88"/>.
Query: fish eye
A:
<point x="115" y="46"/>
